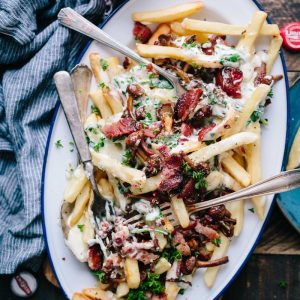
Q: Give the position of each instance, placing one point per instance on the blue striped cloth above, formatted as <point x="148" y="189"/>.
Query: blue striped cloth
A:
<point x="33" y="46"/>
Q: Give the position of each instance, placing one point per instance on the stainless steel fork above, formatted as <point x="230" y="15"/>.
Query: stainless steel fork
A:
<point x="283" y="182"/>
<point x="63" y="82"/>
<point x="71" y="19"/>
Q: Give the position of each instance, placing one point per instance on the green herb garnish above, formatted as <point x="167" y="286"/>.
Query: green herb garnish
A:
<point x="102" y="85"/>
<point x="95" y="110"/>
<point x="80" y="227"/>
<point x="231" y="58"/>
<point x="160" y="83"/>
<point x="171" y="254"/>
<point x="217" y="241"/>
<point x="104" y="64"/>
<point x="99" y="145"/>
<point x="100" y="274"/>
<point x="58" y="144"/>
<point x="252" y="210"/>
<point x="127" y="158"/>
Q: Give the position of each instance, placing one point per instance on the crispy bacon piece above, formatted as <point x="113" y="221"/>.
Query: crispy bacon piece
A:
<point x="187" y="103"/>
<point x="146" y="149"/>
<point x="203" y="131"/>
<point x="135" y="90"/>
<point x="172" y="176"/>
<point x="124" y="126"/>
<point x="213" y="41"/>
<point x="164" y="40"/>
<point x="146" y="257"/>
<point x="94" y="257"/>
<point x="126" y="63"/>
<point x="212" y="263"/>
<point x="230" y="79"/>
<point x="210" y="233"/>
<point x="154" y="165"/>
<point x="134" y="139"/>
<point x="188" y="190"/>
<point x="188" y="265"/>
<point x="141" y="32"/>
<point x="186" y="129"/>
<point x="181" y="244"/>
<point x="217" y="212"/>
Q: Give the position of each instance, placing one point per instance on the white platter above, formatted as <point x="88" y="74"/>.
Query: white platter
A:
<point x="73" y="275"/>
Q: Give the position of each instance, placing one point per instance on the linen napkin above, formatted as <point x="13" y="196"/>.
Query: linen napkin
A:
<point x="33" y="46"/>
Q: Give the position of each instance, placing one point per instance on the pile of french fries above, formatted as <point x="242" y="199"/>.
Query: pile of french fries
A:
<point x="239" y="147"/>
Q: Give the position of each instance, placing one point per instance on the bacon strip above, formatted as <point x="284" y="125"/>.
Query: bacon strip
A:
<point x="124" y="126"/>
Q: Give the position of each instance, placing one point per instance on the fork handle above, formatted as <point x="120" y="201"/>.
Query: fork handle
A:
<point x="67" y="97"/>
<point x="71" y="19"/>
<point x="284" y="181"/>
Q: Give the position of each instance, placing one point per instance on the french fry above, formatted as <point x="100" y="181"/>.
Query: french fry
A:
<point x="114" y="67"/>
<point x="239" y="159"/>
<point x="236" y="171"/>
<point x="79" y="296"/>
<point x="188" y="147"/>
<point x="294" y="156"/>
<point x="161" y="240"/>
<point x="253" y="159"/>
<point x="115" y="168"/>
<point x="248" y="39"/>
<point x="106" y="189"/>
<point x="168" y="14"/>
<point x="100" y="74"/>
<point x="161" y="29"/>
<point x="101" y="103"/>
<point x="122" y="290"/>
<point x="237" y="212"/>
<point x="180" y="211"/>
<point x="177" y="28"/>
<point x="198" y="26"/>
<point x="210" y="274"/>
<point x="75" y="184"/>
<point x="150" y="185"/>
<point x="171" y="290"/>
<point x="80" y="204"/>
<point x="259" y="94"/>
<point x="121" y="199"/>
<point x="224" y="145"/>
<point x="230" y="183"/>
<point x="98" y="294"/>
<point x="113" y="99"/>
<point x="88" y="230"/>
<point x="273" y="52"/>
<point x="214" y="180"/>
<point x="153" y="51"/>
<point x="132" y="273"/>
<point x="162" y="266"/>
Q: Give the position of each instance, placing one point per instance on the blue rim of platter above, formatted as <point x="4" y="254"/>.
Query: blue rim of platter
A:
<point x="56" y="109"/>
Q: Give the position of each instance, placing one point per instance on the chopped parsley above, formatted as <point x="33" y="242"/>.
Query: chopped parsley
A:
<point x="80" y="227"/>
<point x="169" y="140"/>
<point x="270" y="94"/>
<point x="92" y="130"/>
<point x="99" y="145"/>
<point x="171" y="254"/>
<point x="152" y="283"/>
<point x="233" y="58"/>
<point x="127" y="158"/>
<point x="100" y="275"/>
<point x="251" y="210"/>
<point x="211" y="99"/>
<point x="198" y="176"/>
<point x="200" y="181"/>
<point x="257" y="116"/>
<point x="104" y="64"/>
<point x="181" y="291"/>
<point x="156" y="82"/>
<point x="72" y="146"/>
<point x="282" y="284"/>
<point x="194" y="65"/>
<point x="95" y="110"/>
<point x="217" y="241"/>
<point x="58" y="144"/>
<point x="152" y="75"/>
<point x="121" y="188"/>
<point x="102" y="85"/>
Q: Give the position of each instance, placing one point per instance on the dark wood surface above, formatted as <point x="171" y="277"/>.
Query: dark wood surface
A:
<point x="273" y="271"/>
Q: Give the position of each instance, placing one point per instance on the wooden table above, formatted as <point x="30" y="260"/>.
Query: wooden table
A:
<point x="272" y="272"/>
